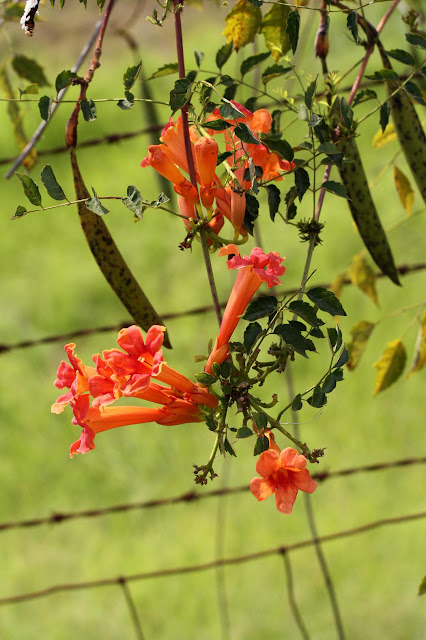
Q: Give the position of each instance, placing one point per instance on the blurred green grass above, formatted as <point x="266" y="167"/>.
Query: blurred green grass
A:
<point x="50" y="285"/>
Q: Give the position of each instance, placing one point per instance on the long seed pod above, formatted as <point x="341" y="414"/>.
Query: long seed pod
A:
<point x="110" y="260"/>
<point x="408" y="127"/>
<point x="364" y="210"/>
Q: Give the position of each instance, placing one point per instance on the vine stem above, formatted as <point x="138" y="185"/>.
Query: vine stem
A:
<point x="188" y="149"/>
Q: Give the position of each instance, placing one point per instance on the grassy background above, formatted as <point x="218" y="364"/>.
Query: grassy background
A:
<point x="50" y="285"/>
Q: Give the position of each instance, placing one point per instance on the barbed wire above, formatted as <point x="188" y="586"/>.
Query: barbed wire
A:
<point x="221" y="562"/>
<point x="78" y="333"/>
<point x="193" y="496"/>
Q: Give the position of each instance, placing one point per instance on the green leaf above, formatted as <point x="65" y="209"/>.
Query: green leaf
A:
<point x="364" y="96"/>
<point x="225" y="369"/>
<point x="294" y="338"/>
<point x="309" y="94"/>
<point x="281" y="148"/>
<point x="251" y="213"/>
<point x="216" y="125"/>
<point x="347" y="113"/>
<point x="165" y="70"/>
<point x="30" y="189"/>
<point x="229" y="111"/>
<point x="335" y="187"/>
<point x="262" y="444"/>
<point x="274" y="199"/>
<point x="224" y="53"/>
<point x="63" y="79"/>
<point x="318" y="399"/>
<point x="130" y="76"/>
<point x="45" y="105"/>
<point x="416" y="40"/>
<point x="274" y="30"/>
<point x="328" y="147"/>
<point x="32" y="89"/>
<point x="244" y="432"/>
<point x="329" y="383"/>
<point x="100" y="4"/>
<point x="292" y="28"/>
<point x="94" y="204"/>
<point x="414" y="91"/>
<point x="297" y="403"/>
<point x="383" y="74"/>
<point x="242" y="24"/>
<point x="205" y="378"/>
<point x="384" y="115"/>
<point x="250" y="335"/>
<point x="305" y="311"/>
<point x="223" y="156"/>
<point x="290" y="197"/>
<point x="133" y="200"/>
<point x="88" y="108"/>
<point x="260" y="308"/>
<point x="401" y="56"/>
<point x="343" y="358"/>
<point x="274" y="71"/>
<point x="390" y="365"/>
<point x="256" y="3"/>
<point x="252" y="61"/>
<point x="30" y="70"/>
<point x="229" y="449"/>
<point x="326" y="301"/>
<point x="20" y="211"/>
<point x="53" y="187"/>
<point x="244" y="133"/>
<point x="422" y="587"/>
<point x="199" y="57"/>
<point x="127" y="102"/>
<point x="352" y="25"/>
<point x="302" y="182"/>
<point x="179" y="95"/>
<point x="260" y="420"/>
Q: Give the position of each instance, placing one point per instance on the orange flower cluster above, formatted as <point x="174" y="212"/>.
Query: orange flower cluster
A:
<point x="127" y="372"/>
<point x="225" y="201"/>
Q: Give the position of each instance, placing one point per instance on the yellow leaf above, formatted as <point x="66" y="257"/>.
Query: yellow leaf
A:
<point x="382" y="138"/>
<point x="363" y="276"/>
<point x="390" y="365"/>
<point x="360" y="333"/>
<point x="242" y="24"/>
<point x="338" y="283"/>
<point x="274" y="30"/>
<point x="419" y="359"/>
<point x="405" y="191"/>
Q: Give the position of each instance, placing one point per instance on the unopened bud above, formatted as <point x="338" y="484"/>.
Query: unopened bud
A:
<point x="321" y="43"/>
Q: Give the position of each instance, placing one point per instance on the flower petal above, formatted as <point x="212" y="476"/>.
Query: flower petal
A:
<point x="303" y="481"/>
<point x="262" y="488"/>
<point x="291" y="459"/>
<point x="268" y="463"/>
<point x="285" y="496"/>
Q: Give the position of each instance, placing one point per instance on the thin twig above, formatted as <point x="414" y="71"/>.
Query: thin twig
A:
<point x="236" y="560"/>
<point x="292" y="599"/>
<point x="132" y="609"/>
<point x="193" y="496"/>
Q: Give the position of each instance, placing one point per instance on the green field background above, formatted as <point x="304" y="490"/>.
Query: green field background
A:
<point x="50" y="284"/>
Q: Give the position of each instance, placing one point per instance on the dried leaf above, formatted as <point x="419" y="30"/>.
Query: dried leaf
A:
<point x="363" y="276"/>
<point x="383" y="137"/>
<point x="390" y="366"/>
<point x="419" y="359"/>
<point x="404" y="188"/>
<point x="360" y="333"/>
<point x="242" y="24"/>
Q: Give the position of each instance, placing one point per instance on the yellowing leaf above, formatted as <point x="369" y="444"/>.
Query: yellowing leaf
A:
<point x="382" y="138"/>
<point x="360" y="333"/>
<point x="419" y="359"/>
<point x="405" y="191"/>
<point x="274" y="30"/>
<point x="338" y="283"/>
<point x="242" y="24"/>
<point x="422" y="587"/>
<point x="390" y="366"/>
<point x="363" y="276"/>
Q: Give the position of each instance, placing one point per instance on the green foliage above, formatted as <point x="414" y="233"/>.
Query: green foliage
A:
<point x="53" y="187"/>
<point x="95" y="205"/>
<point x="30" y="70"/>
<point x="30" y="189"/>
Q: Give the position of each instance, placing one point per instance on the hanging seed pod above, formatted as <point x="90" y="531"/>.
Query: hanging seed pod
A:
<point x="110" y="260"/>
<point x="364" y="210"/>
<point x="408" y="127"/>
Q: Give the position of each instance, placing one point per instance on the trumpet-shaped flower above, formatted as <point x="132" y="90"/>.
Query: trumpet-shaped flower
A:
<point x="128" y="372"/>
<point x="253" y="270"/>
<point x="284" y="474"/>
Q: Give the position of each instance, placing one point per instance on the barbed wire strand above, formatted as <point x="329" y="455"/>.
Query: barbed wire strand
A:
<point x="192" y="496"/>
<point x="292" y="598"/>
<point x="206" y="566"/>
<point x="79" y="333"/>
<point x="132" y="609"/>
